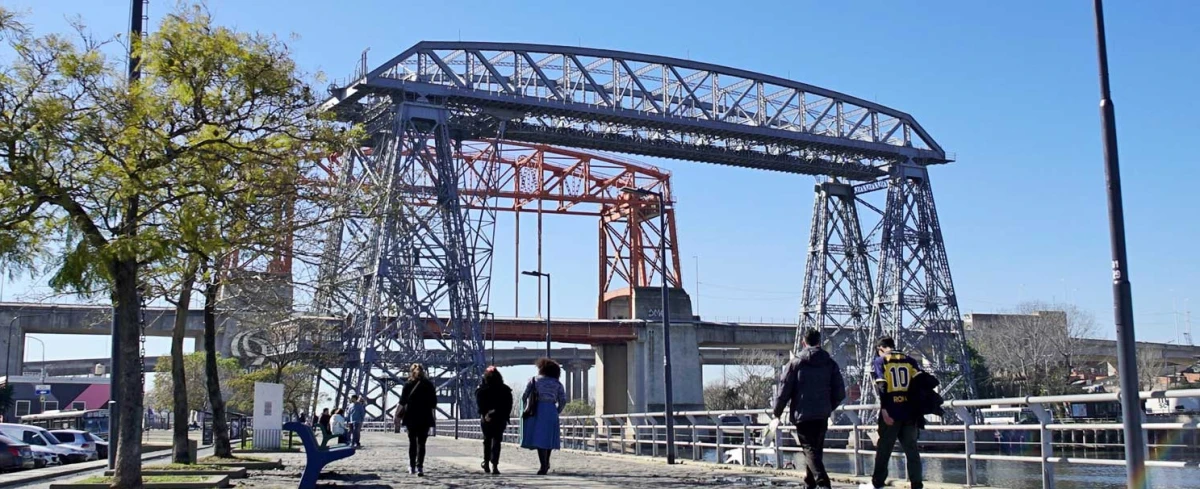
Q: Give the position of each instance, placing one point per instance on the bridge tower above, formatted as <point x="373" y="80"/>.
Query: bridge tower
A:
<point x="914" y="300"/>
<point x="400" y="262"/>
<point x="838" y="292"/>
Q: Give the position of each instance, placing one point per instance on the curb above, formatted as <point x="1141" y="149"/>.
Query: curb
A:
<point x="76" y="469"/>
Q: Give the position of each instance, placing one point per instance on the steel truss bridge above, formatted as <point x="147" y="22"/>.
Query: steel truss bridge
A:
<point x="460" y="130"/>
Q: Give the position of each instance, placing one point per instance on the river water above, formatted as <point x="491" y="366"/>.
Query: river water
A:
<point x="1016" y="475"/>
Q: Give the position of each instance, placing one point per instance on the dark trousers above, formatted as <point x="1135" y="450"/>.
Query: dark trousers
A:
<point x="416" y="447"/>
<point x="493" y="437"/>
<point x="907" y="433"/>
<point x="543" y="460"/>
<point x="812" y="439"/>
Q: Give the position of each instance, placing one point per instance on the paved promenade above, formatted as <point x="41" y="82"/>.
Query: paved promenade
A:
<point x="383" y="463"/>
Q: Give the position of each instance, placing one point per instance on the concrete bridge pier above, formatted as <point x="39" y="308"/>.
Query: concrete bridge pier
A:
<point x="12" y="342"/>
<point x="576" y="381"/>
<point x="630" y="375"/>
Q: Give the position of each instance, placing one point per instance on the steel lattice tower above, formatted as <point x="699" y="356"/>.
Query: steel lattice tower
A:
<point x="915" y="301"/>
<point x="837" y="284"/>
<point x="412" y="293"/>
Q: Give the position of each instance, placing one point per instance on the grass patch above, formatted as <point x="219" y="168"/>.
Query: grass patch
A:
<point x="184" y="467"/>
<point x="97" y="479"/>
<point x="237" y="458"/>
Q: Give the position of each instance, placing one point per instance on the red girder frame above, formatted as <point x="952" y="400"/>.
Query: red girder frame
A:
<point x="533" y="178"/>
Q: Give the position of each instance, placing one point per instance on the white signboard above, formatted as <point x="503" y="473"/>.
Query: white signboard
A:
<point x="41" y="389"/>
<point x="268" y="415"/>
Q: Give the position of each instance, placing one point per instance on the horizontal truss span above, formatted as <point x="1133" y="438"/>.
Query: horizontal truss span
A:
<point x="644" y="104"/>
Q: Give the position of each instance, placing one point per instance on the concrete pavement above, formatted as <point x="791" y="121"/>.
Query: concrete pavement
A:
<point x="383" y="464"/>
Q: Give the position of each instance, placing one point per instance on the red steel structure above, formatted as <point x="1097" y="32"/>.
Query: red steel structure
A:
<point x="542" y="179"/>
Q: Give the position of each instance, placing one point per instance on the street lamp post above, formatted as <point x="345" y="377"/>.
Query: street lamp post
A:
<point x="1131" y="410"/>
<point x="669" y="395"/>
<point x="43" y="373"/>
<point x="539" y="275"/>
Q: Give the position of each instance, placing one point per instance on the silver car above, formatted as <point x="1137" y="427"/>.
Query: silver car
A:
<point x="79" y="440"/>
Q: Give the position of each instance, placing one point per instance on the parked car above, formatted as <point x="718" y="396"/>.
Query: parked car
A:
<point x="42" y="441"/>
<point x="101" y="444"/>
<point x="78" y="440"/>
<point x="15" y="455"/>
<point x="44" y="457"/>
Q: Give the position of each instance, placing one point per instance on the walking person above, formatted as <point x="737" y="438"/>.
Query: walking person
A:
<point x="495" y="402"/>
<point x="358" y="415"/>
<point x="337" y="426"/>
<point x="418" y="400"/>
<point x="812" y="384"/>
<point x="893" y="372"/>
<point x="544" y="398"/>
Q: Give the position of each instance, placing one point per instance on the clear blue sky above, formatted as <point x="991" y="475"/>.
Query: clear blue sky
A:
<point x="1010" y="87"/>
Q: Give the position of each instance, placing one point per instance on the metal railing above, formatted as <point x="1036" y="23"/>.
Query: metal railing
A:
<point x="741" y="436"/>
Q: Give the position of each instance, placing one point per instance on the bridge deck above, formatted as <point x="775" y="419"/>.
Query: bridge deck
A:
<point x="449" y="463"/>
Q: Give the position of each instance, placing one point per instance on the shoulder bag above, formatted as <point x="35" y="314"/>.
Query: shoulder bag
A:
<point x="531" y="404"/>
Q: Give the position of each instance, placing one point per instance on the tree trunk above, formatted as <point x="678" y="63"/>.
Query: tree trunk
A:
<point x="221" y="447"/>
<point x="179" y="404"/>
<point x="127" y="472"/>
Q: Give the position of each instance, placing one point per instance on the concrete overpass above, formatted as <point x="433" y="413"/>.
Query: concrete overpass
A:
<point x="625" y="349"/>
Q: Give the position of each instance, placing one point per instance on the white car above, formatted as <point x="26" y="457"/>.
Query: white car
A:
<point x="79" y="440"/>
<point x="41" y="440"/>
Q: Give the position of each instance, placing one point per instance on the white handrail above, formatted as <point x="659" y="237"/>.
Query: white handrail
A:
<point x="697" y="431"/>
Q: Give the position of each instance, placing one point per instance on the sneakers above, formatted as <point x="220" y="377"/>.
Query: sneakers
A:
<point x="420" y="472"/>
<point x="868" y="486"/>
<point x="412" y="469"/>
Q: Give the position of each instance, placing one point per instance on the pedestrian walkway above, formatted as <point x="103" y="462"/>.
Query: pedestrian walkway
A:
<point x="383" y="463"/>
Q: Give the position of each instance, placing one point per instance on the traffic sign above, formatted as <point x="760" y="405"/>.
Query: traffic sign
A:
<point x="41" y="389"/>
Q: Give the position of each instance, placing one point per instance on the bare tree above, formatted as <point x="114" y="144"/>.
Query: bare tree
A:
<point x="1034" y="348"/>
<point x="1151" y="363"/>
<point x="753" y="384"/>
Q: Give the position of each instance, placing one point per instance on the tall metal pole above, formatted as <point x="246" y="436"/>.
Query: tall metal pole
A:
<point x="548" y="289"/>
<point x="8" y="356"/>
<point x="696" y="260"/>
<point x="1131" y="410"/>
<point x="114" y="377"/>
<point x="666" y="314"/>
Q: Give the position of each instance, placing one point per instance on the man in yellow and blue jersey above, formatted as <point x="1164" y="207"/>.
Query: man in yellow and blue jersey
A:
<point x="893" y="372"/>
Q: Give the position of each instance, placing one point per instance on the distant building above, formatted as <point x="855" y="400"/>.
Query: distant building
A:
<point x="66" y="393"/>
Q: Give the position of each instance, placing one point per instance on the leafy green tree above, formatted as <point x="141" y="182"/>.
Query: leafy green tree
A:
<point x="6" y="398"/>
<point x="297" y="380"/>
<point x="161" y="396"/>
<point x="113" y="177"/>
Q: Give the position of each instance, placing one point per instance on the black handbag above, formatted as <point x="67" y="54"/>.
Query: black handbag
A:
<point x="530" y="404"/>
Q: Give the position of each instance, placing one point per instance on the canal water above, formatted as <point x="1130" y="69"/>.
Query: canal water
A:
<point x="1015" y="475"/>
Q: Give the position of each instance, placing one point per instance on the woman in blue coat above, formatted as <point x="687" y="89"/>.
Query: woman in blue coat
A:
<point x="541" y="431"/>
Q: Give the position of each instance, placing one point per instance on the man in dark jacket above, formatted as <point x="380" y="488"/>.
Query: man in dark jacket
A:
<point x="812" y="383"/>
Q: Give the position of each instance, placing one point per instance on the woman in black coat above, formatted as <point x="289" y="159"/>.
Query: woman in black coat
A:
<point x="495" y="401"/>
<point x="418" y="401"/>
